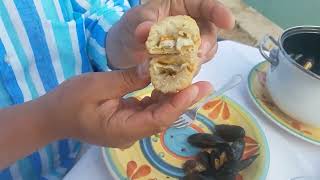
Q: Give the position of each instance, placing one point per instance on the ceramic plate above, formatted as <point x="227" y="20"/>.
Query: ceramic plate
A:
<point x="260" y="96"/>
<point x="161" y="156"/>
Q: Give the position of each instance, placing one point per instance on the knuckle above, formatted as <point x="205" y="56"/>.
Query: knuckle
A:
<point x="162" y="123"/>
<point x="125" y="146"/>
<point x="127" y="80"/>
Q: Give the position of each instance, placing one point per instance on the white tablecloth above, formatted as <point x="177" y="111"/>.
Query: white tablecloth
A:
<point x="289" y="156"/>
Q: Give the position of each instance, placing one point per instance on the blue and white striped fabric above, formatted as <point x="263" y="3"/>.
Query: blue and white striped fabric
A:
<point x="43" y="43"/>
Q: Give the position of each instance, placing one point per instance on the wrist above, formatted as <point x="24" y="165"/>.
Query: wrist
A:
<point x="49" y="111"/>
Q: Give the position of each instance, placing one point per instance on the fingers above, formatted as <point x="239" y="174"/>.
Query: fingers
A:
<point x="205" y="88"/>
<point x="171" y="108"/>
<point x="207" y="57"/>
<point x="211" y="10"/>
<point x="132" y="103"/>
<point x="208" y="39"/>
<point x="130" y="80"/>
<point x="146" y="101"/>
<point x="158" y="117"/>
<point x="116" y="84"/>
<point x="142" y="31"/>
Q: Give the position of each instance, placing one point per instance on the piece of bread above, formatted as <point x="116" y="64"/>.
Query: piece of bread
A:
<point x="173" y="42"/>
<point x="174" y="35"/>
<point x="172" y="73"/>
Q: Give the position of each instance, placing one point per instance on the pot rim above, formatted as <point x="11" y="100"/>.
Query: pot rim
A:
<point x="296" y="30"/>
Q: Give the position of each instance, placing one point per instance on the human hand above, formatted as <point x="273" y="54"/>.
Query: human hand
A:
<point x="125" y="43"/>
<point x="90" y="107"/>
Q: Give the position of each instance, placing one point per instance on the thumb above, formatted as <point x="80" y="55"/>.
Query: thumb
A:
<point x="126" y="81"/>
<point x="142" y="31"/>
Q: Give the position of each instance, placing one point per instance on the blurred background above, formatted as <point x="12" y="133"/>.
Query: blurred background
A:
<point x="256" y="18"/>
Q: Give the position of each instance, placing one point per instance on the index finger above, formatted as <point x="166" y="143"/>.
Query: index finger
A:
<point x="211" y="10"/>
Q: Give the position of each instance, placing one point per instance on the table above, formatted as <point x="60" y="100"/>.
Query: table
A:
<point x="289" y="156"/>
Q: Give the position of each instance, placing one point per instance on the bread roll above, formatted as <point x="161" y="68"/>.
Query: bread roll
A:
<point x="173" y="43"/>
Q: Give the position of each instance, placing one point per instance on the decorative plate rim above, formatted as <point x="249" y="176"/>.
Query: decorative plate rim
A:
<point x="272" y="117"/>
<point x="251" y="118"/>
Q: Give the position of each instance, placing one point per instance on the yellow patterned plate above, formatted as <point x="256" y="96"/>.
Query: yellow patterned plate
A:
<point x="260" y="96"/>
<point x="161" y="156"/>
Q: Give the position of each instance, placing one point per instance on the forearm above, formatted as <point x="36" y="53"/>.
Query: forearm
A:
<point x="23" y="129"/>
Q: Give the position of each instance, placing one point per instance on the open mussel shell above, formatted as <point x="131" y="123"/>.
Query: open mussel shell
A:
<point x="237" y="149"/>
<point x="229" y="133"/>
<point x="197" y="176"/>
<point x="204" y="158"/>
<point x="221" y="154"/>
<point x="220" y="148"/>
<point x="204" y="140"/>
<point x="247" y="162"/>
<point x="193" y="166"/>
<point x="232" y="168"/>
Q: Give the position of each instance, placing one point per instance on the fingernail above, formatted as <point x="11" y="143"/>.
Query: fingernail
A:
<point x="143" y="70"/>
<point x="194" y="93"/>
<point x="204" y="49"/>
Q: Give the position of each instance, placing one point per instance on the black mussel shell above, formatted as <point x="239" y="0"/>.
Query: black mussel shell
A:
<point x="209" y="173"/>
<point x="247" y="162"/>
<point x="232" y="168"/>
<point x="220" y="148"/>
<point x="197" y="176"/>
<point x="204" y="140"/>
<point x="227" y="177"/>
<point x="204" y="158"/>
<point x="237" y="149"/>
<point x="229" y="133"/>
<point x="229" y="168"/>
<point x="193" y="166"/>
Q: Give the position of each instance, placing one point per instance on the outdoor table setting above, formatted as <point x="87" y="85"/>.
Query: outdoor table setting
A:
<point x="287" y="148"/>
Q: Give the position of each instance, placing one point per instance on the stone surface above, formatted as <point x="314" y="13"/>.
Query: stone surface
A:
<point x="251" y="26"/>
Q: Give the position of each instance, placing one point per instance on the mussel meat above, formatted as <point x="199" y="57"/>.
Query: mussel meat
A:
<point x="204" y="140"/>
<point x="219" y="148"/>
<point x="204" y="158"/>
<point x="229" y="133"/>
<point x="193" y="166"/>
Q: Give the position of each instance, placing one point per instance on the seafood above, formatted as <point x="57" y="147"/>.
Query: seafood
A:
<point x="237" y="149"/>
<point x="221" y="155"/>
<point x="308" y="63"/>
<point x="229" y="133"/>
<point x="196" y="176"/>
<point x="204" y="158"/>
<point x="192" y="166"/>
<point x="233" y="167"/>
<point x="204" y="140"/>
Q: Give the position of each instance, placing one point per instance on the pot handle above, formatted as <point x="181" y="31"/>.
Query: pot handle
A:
<point x="273" y="59"/>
